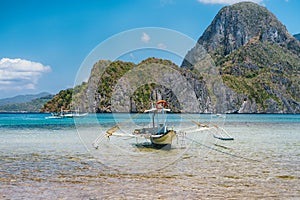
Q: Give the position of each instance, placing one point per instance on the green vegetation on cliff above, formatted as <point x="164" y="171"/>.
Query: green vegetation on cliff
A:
<point x="263" y="71"/>
<point x="61" y="101"/>
<point x="96" y="94"/>
<point x="109" y="79"/>
<point x="257" y="57"/>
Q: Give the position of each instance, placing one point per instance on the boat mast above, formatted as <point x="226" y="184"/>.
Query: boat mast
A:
<point x="153" y="114"/>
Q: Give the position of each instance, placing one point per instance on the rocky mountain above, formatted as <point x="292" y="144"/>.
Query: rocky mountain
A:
<point x="297" y="36"/>
<point x="245" y="62"/>
<point x="258" y="59"/>
<point x="33" y="105"/>
<point x="129" y="87"/>
<point x="22" y="98"/>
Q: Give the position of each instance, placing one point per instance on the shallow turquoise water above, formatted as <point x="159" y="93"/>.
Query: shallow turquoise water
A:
<point x="50" y="159"/>
<point x="9" y="119"/>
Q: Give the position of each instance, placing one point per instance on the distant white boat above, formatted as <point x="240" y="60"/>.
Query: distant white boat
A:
<point x="66" y="114"/>
<point x="54" y="116"/>
<point x="71" y="115"/>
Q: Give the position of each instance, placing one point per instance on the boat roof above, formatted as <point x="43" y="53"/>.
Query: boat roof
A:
<point x="155" y="109"/>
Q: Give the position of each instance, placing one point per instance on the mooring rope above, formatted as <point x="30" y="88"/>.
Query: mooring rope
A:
<point x="223" y="152"/>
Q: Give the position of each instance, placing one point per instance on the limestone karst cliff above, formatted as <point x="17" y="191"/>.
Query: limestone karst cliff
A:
<point x="244" y="62"/>
<point x="258" y="59"/>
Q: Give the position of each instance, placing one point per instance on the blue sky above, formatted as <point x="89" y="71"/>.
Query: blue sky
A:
<point x="43" y="43"/>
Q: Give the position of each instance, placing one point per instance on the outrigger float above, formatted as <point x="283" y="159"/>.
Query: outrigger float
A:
<point x="159" y="134"/>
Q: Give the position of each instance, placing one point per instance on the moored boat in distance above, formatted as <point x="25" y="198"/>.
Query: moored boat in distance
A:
<point x="54" y="116"/>
<point x="66" y="114"/>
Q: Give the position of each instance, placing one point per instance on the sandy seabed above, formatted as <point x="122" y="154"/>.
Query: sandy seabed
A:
<point x="262" y="162"/>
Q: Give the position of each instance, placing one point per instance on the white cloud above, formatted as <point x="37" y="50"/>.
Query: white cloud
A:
<point x="132" y="56"/>
<point x="161" y="46"/>
<point x="19" y="74"/>
<point x="145" y="37"/>
<point x="226" y="1"/>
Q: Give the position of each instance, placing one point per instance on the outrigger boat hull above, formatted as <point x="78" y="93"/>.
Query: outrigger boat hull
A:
<point x="164" y="139"/>
<point x="158" y="133"/>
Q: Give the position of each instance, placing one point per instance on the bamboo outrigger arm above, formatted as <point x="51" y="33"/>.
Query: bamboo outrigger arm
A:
<point x="200" y="124"/>
<point x="113" y="129"/>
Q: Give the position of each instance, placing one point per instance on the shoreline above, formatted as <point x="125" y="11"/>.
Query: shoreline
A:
<point x="32" y="112"/>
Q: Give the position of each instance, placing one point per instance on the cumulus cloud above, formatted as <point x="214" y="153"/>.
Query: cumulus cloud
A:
<point x="226" y="1"/>
<point x="145" y="37"/>
<point x="161" y="46"/>
<point x="19" y="74"/>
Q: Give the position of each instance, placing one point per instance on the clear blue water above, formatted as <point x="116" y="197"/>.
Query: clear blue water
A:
<point x="50" y="159"/>
<point x="8" y="120"/>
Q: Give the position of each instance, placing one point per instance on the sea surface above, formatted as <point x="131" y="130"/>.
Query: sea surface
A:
<point x="56" y="158"/>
